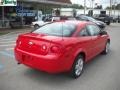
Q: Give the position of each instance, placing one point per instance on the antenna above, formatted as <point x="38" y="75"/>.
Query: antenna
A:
<point x="62" y="30"/>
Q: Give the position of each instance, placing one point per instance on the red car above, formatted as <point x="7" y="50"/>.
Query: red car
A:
<point x="62" y="46"/>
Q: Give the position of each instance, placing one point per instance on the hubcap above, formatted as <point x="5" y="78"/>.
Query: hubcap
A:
<point x="79" y="67"/>
<point x="107" y="47"/>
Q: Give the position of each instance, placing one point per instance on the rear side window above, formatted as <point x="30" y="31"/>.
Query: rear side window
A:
<point x="57" y="29"/>
<point x="83" y="32"/>
<point x="93" y="30"/>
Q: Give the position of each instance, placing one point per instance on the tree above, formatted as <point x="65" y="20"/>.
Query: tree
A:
<point x="99" y="7"/>
<point x="118" y="6"/>
<point x="76" y="6"/>
<point x="107" y="8"/>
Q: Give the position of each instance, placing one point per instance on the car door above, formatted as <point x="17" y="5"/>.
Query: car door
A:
<point x="97" y="39"/>
<point x="85" y="42"/>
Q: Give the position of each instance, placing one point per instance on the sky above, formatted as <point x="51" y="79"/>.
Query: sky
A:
<point x="104" y="3"/>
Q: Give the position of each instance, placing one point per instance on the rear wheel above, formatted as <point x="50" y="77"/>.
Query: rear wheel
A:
<point x="77" y="67"/>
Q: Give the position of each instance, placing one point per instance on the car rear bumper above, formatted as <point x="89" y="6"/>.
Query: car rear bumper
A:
<point x="48" y="63"/>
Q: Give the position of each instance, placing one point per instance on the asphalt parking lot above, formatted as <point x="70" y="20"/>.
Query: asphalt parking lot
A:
<point x="102" y="73"/>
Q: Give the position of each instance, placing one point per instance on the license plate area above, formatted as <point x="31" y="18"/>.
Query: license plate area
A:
<point x="26" y="58"/>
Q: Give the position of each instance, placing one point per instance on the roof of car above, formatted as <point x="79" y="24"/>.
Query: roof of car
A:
<point x="77" y="22"/>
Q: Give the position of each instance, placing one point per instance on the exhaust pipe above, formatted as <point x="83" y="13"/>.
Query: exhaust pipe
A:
<point x="18" y="63"/>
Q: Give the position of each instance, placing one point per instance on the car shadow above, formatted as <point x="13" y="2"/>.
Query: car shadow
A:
<point x="61" y="79"/>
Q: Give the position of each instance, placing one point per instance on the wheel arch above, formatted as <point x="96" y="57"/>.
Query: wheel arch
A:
<point x="81" y="52"/>
<point x="108" y="40"/>
<point x="36" y="24"/>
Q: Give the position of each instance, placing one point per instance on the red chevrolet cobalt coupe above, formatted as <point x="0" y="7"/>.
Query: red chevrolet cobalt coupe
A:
<point x="61" y="46"/>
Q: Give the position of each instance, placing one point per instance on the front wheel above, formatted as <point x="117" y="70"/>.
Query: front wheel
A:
<point x="77" y="67"/>
<point x="107" y="48"/>
<point x="36" y="26"/>
<point x="108" y="23"/>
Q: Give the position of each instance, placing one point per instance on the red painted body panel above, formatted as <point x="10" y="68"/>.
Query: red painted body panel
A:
<point x="56" y="54"/>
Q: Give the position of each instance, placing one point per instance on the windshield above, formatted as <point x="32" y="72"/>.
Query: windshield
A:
<point x="57" y="29"/>
<point x="91" y="19"/>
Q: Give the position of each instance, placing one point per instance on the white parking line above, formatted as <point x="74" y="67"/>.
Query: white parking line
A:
<point x="7" y="39"/>
<point x="8" y="49"/>
<point x="10" y="36"/>
<point x="7" y="45"/>
<point x="7" y="42"/>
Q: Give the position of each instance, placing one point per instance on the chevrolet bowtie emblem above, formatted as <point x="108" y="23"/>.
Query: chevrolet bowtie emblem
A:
<point x="30" y="43"/>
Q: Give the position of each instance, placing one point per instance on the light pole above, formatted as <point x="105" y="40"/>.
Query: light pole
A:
<point x="3" y="17"/>
<point x="84" y="6"/>
<point x="92" y="4"/>
<point x="110" y="11"/>
<point x="115" y="2"/>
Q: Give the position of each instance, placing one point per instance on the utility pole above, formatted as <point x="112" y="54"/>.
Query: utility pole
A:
<point x="3" y="17"/>
<point x="110" y="11"/>
<point x="84" y="6"/>
<point x="115" y="2"/>
<point x="22" y="14"/>
<point x="92" y="4"/>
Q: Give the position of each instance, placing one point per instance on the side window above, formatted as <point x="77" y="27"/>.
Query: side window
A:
<point x="68" y="29"/>
<point x="83" y="32"/>
<point x="93" y="30"/>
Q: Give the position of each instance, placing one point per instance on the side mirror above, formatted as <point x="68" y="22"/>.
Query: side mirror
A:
<point x="103" y="33"/>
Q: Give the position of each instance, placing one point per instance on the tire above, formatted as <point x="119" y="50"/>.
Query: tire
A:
<point x="107" y="48"/>
<point x="77" y="67"/>
<point x="108" y="23"/>
<point x="36" y="26"/>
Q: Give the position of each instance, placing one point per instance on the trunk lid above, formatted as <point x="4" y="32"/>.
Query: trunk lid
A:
<point x="37" y="43"/>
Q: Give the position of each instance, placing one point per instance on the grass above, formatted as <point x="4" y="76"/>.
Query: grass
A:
<point x="3" y="33"/>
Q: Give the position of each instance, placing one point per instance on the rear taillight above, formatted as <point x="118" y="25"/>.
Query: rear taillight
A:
<point x="55" y="49"/>
<point x="18" y="42"/>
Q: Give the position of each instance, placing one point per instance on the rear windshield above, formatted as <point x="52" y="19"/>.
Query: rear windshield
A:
<point x="57" y="29"/>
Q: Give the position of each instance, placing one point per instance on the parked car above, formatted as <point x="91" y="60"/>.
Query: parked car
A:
<point x="87" y="18"/>
<point x="16" y="22"/>
<point x="118" y="19"/>
<point x="105" y="18"/>
<point x="114" y="18"/>
<point x="38" y="24"/>
<point x="62" y="46"/>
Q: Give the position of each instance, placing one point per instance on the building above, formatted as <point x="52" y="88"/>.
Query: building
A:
<point x="27" y="9"/>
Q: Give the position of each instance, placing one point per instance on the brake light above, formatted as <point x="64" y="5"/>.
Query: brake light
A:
<point x="18" y="42"/>
<point x="55" y="49"/>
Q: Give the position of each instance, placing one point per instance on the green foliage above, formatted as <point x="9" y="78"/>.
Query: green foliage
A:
<point x="99" y="7"/>
<point x="117" y="7"/>
<point x="76" y="6"/>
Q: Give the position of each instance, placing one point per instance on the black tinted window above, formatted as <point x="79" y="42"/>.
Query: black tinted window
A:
<point x="57" y="29"/>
